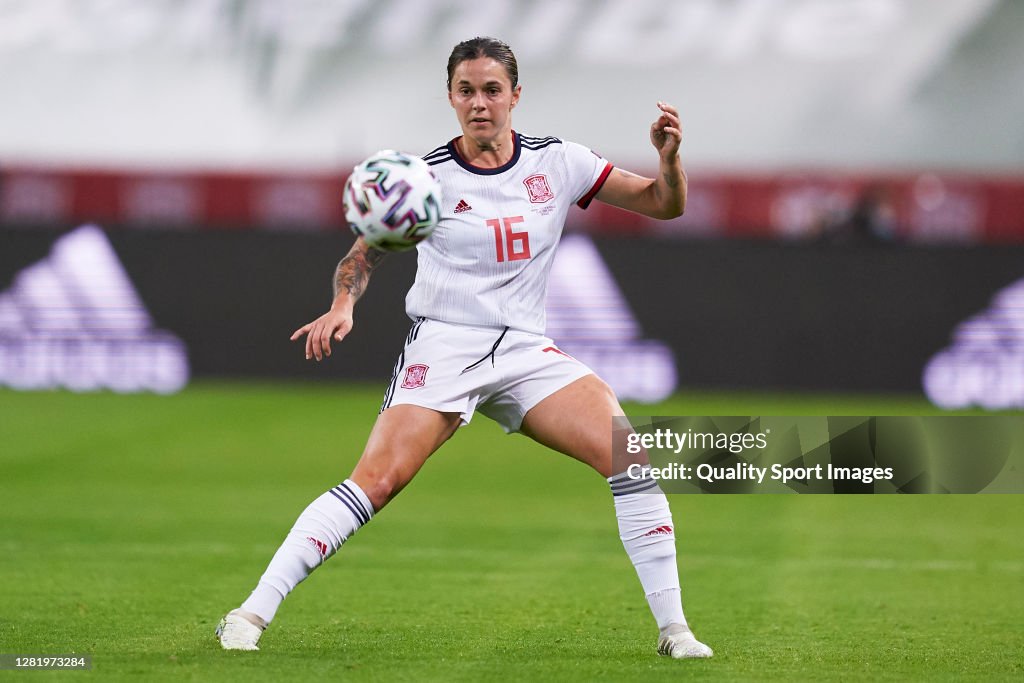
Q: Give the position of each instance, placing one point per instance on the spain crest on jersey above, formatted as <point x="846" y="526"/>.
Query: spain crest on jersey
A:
<point x="537" y="186"/>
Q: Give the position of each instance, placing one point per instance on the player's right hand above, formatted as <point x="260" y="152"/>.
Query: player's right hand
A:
<point x="335" y="323"/>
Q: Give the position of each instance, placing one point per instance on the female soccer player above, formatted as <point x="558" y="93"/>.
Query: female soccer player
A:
<point x="478" y="339"/>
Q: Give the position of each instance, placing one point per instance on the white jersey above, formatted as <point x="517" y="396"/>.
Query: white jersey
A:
<point x="487" y="262"/>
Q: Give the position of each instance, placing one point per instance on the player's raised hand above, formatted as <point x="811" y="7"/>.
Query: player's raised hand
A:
<point x="667" y="132"/>
<point x="334" y="324"/>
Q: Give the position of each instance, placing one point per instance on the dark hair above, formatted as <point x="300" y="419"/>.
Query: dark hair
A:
<point x="478" y="47"/>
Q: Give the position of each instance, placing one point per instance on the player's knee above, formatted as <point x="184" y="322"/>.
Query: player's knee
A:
<point x="600" y="459"/>
<point x="594" y="449"/>
<point x="381" y="487"/>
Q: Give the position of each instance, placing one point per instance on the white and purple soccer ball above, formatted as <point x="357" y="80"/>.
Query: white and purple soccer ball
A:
<point x="392" y="201"/>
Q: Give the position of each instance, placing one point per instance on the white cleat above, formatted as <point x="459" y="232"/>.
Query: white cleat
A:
<point x="237" y="632"/>
<point x="678" y="642"/>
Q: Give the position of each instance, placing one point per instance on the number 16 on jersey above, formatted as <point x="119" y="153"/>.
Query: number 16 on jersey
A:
<point x="509" y="244"/>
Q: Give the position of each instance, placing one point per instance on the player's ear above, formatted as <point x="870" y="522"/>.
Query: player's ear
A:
<point x="450" y="100"/>
<point x="515" y="95"/>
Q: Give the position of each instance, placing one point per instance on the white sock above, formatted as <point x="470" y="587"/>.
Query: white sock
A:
<point x="316" y="535"/>
<point x="647" y="533"/>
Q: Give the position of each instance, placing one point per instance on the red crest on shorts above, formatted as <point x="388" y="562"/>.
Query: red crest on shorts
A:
<point x="415" y="376"/>
<point x="537" y="186"/>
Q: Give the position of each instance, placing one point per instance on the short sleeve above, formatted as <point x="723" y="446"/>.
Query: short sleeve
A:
<point x="587" y="170"/>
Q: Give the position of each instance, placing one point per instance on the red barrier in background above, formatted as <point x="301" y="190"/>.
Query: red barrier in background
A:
<point x="916" y="207"/>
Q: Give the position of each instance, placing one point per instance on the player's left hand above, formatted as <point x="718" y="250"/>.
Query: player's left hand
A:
<point x="667" y="132"/>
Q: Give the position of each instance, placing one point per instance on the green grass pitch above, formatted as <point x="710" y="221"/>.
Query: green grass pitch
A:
<point x="130" y="524"/>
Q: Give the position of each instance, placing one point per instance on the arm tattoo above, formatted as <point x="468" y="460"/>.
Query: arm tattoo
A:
<point x="353" y="272"/>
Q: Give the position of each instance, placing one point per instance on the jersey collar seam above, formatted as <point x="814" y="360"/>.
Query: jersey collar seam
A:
<point x="516" y="151"/>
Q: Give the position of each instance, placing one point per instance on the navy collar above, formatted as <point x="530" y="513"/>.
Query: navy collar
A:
<point x="516" y="147"/>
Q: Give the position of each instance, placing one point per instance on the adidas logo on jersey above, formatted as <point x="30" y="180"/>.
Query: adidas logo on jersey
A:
<point x="74" y="320"/>
<point x="462" y="206"/>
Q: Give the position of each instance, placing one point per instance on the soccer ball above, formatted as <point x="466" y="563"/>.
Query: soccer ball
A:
<point x="392" y="201"/>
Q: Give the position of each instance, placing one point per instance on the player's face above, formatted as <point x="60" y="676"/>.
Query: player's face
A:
<point x="483" y="97"/>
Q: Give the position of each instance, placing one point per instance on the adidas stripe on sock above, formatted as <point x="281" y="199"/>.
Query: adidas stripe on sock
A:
<point x="317" y="534"/>
<point x="647" y="533"/>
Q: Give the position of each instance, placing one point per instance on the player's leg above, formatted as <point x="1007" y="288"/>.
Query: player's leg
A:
<point x="577" y="420"/>
<point x="402" y="439"/>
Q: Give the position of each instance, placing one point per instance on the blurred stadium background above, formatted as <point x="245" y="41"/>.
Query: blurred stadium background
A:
<point x="856" y="207"/>
<point x="169" y="213"/>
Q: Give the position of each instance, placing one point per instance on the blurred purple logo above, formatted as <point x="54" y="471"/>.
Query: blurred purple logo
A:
<point x="590" y="319"/>
<point x="73" y="320"/>
<point x="984" y="366"/>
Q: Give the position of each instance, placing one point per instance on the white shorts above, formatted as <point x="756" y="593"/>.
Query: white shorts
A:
<point x="459" y="369"/>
